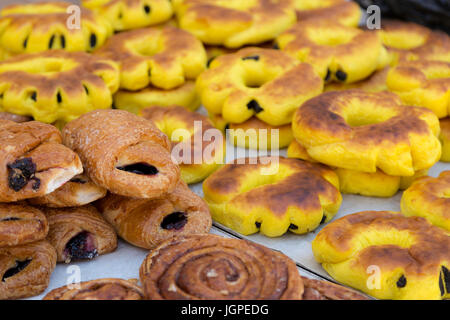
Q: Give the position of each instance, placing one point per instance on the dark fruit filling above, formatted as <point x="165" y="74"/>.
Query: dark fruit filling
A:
<point x="256" y="58"/>
<point x="139" y="168"/>
<point x="444" y="281"/>
<point x="341" y="75"/>
<point x="78" y="180"/>
<point x="174" y="221"/>
<point x="20" y="265"/>
<point x="81" y="246"/>
<point x="147" y="9"/>
<point x="401" y="283"/>
<point x="253" y="105"/>
<point x="20" y="172"/>
<point x="10" y="219"/>
<point x="93" y="40"/>
<point x="293" y="226"/>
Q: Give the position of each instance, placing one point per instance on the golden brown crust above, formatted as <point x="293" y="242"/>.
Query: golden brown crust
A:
<point x="14" y="117"/>
<point x="78" y="191"/>
<point x="109" y="141"/>
<point x="100" y="289"/>
<point x="325" y="290"/>
<point x="79" y="233"/>
<point x="25" y="270"/>
<point x="147" y="223"/>
<point x="21" y="224"/>
<point x="345" y="12"/>
<point x="211" y="267"/>
<point x="33" y="162"/>
<point x="375" y="83"/>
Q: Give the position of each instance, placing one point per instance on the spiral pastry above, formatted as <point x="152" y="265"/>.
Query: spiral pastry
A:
<point x="21" y="224"/>
<point x="25" y="270"/>
<point x="79" y="233"/>
<point x="101" y="289"/>
<point x="210" y="267"/>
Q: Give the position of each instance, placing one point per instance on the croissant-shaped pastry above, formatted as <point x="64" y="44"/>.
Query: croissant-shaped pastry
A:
<point x="33" y="162"/>
<point x="25" y="270"/>
<point x="78" y="191"/>
<point x="211" y="267"/>
<point x="21" y="224"/>
<point x="325" y="290"/>
<point x="79" y="233"/>
<point x="123" y="153"/>
<point x="101" y="289"/>
<point x="146" y="223"/>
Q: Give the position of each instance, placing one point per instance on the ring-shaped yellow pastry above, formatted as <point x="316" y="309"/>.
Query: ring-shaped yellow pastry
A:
<point x="422" y="83"/>
<point x="272" y="195"/>
<point x="234" y="23"/>
<point x="189" y="132"/>
<point x="365" y="131"/>
<point x="131" y="14"/>
<point x="386" y="255"/>
<point x="345" y="12"/>
<point x="377" y="184"/>
<point x="429" y="198"/>
<point x="253" y="81"/>
<point x="37" y="27"/>
<point x="163" y="57"/>
<point x="56" y="85"/>
<point x="337" y="52"/>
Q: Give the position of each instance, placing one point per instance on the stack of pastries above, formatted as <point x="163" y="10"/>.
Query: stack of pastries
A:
<point x="100" y="137"/>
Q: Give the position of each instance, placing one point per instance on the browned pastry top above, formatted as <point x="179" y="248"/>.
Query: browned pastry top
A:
<point x="325" y="290"/>
<point x="25" y="270"/>
<point x="21" y="224"/>
<point x="212" y="267"/>
<point x="14" y="117"/>
<point x="101" y="289"/>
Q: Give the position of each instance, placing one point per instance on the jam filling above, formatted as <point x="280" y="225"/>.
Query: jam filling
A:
<point x="174" y="221"/>
<point x="139" y="168"/>
<point x="81" y="246"/>
<point x="20" y="265"/>
<point x="20" y="172"/>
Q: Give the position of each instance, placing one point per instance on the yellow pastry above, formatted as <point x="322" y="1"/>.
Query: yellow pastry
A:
<point x="37" y="27"/>
<point x="365" y="131"/>
<point x="272" y="195"/>
<point x="444" y="137"/>
<point x="134" y="101"/>
<point x="386" y="255"/>
<point x="345" y="12"/>
<point x="376" y="82"/>
<point x="422" y="83"/>
<point x="163" y="57"/>
<point x="131" y="14"/>
<point x="257" y="82"/>
<point x="234" y="23"/>
<point x="428" y="198"/>
<point x="337" y="52"/>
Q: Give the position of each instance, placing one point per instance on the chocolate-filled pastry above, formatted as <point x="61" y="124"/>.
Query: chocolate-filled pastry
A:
<point x="123" y="153"/>
<point x="25" y="270"/>
<point x="325" y="290"/>
<point x="100" y="289"/>
<point x="147" y="223"/>
<point x="79" y="233"/>
<point x="199" y="267"/>
<point x="21" y="224"/>
<point x="14" y="117"/>
<point x="33" y="162"/>
<point x="78" y="191"/>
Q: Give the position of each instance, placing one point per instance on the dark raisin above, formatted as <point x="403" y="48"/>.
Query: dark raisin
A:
<point x="80" y="247"/>
<point x="37" y="184"/>
<point x="20" y="265"/>
<point x="276" y="46"/>
<point x="227" y="126"/>
<point x="401" y="283"/>
<point x="58" y="97"/>
<point x="51" y="41"/>
<point x="139" y="168"/>
<point x="147" y="9"/>
<point x="341" y="75"/>
<point x="253" y="105"/>
<point x="78" y="180"/>
<point x="176" y="220"/>
<point x="20" y="172"/>
<point x="444" y="281"/>
<point x="256" y="58"/>
<point x="25" y="42"/>
<point x="63" y="42"/>
<point x="293" y="226"/>
<point x="93" y="40"/>
<point x="258" y="224"/>
<point x="33" y="96"/>
<point x="10" y="219"/>
<point x="323" y="219"/>
<point x="328" y="76"/>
